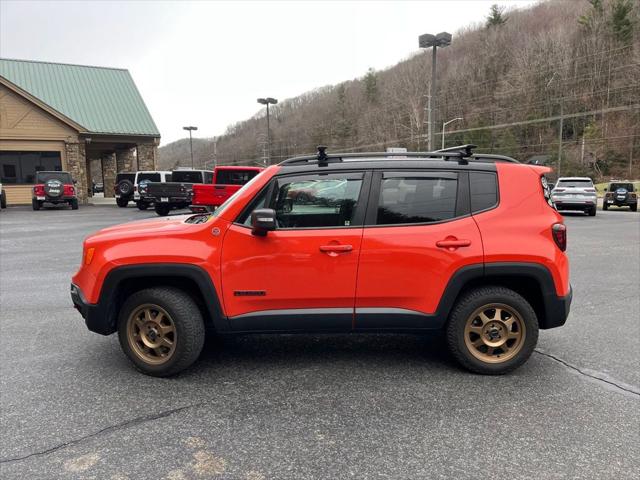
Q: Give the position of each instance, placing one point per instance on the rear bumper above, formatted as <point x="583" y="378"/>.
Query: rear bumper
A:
<point x="94" y="316"/>
<point x="557" y="310"/>
<point x="575" y="204"/>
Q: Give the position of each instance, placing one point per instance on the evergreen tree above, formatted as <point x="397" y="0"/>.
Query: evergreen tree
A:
<point x="371" y="86"/>
<point x="621" y="22"/>
<point x="590" y="20"/>
<point x="496" y="16"/>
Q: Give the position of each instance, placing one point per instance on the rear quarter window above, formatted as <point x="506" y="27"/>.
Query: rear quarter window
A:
<point x="484" y="190"/>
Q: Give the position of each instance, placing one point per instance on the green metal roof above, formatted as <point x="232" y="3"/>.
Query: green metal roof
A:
<point x="102" y="100"/>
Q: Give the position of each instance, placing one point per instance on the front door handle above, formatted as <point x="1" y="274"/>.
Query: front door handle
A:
<point x="335" y="249"/>
<point x="451" y="243"/>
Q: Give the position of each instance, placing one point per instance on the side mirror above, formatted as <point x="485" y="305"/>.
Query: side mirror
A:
<point x="263" y="220"/>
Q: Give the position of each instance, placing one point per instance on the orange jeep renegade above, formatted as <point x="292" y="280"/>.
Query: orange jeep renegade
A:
<point x="380" y="242"/>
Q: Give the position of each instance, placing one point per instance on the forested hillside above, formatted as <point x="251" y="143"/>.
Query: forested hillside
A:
<point x="515" y="80"/>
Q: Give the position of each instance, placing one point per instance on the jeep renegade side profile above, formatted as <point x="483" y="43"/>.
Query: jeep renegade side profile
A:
<point x="451" y="240"/>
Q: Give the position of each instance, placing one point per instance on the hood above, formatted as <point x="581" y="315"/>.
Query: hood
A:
<point x="147" y="227"/>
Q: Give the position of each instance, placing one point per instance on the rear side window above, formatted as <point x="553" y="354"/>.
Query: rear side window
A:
<point x="416" y="199"/>
<point x="148" y="177"/>
<point x="484" y="190"/>
<point x="234" y="177"/>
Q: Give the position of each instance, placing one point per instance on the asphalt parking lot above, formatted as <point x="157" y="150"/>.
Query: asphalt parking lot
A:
<point x="308" y="406"/>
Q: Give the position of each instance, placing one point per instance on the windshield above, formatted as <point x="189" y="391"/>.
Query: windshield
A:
<point x="43" y="177"/>
<point x="221" y="208"/>
<point x="186" y="176"/>
<point x="627" y="186"/>
<point x="574" y="184"/>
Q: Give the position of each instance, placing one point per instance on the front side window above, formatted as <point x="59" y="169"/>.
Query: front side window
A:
<point x="416" y="199"/>
<point x="311" y="201"/>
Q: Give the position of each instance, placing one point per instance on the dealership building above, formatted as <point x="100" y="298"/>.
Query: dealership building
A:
<point x="71" y="118"/>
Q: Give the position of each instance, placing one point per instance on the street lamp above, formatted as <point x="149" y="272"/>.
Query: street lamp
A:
<point x="443" y="39"/>
<point x="268" y="101"/>
<point x="191" y="129"/>
<point x="447" y="123"/>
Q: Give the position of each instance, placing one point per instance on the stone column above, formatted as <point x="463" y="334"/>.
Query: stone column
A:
<point x="109" y="174"/>
<point x="125" y="160"/>
<point x="147" y="154"/>
<point x="75" y="155"/>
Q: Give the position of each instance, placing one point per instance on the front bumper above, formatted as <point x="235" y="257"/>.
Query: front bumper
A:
<point x="95" y="317"/>
<point x="556" y="310"/>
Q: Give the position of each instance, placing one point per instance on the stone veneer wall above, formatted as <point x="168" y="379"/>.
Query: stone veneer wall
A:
<point x="109" y="173"/>
<point x="147" y="154"/>
<point x="75" y="155"/>
<point x="126" y="160"/>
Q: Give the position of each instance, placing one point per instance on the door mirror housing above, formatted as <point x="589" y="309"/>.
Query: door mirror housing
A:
<point x="263" y="220"/>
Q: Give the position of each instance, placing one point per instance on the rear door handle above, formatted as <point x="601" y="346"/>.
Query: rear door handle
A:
<point x="336" y="248"/>
<point x="452" y="243"/>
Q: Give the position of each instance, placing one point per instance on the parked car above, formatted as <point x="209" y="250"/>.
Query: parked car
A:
<point x="620" y="194"/>
<point x="55" y="188"/>
<point x="3" y="197"/>
<point x="227" y="180"/>
<point x="98" y="187"/>
<point x="434" y="241"/>
<point x="128" y="186"/>
<point x="575" y="193"/>
<point x="176" y="193"/>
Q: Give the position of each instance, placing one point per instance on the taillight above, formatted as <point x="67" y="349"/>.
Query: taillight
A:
<point x="38" y="190"/>
<point x="559" y="232"/>
<point x="69" y="190"/>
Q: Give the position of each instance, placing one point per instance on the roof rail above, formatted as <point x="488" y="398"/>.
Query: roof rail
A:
<point x="462" y="154"/>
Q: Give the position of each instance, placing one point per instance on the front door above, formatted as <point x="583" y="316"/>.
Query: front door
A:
<point x="301" y="276"/>
<point x="418" y="233"/>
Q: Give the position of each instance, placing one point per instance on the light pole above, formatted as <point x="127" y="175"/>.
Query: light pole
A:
<point x="444" y="126"/>
<point x="427" y="40"/>
<point x="268" y="101"/>
<point x="191" y="129"/>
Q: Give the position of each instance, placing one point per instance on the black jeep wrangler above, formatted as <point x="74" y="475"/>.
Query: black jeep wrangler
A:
<point x="54" y="187"/>
<point x="620" y="194"/>
<point x="124" y="188"/>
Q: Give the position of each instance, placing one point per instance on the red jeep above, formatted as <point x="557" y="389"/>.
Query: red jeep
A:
<point x="448" y="240"/>
<point x="55" y="188"/>
<point x="226" y="181"/>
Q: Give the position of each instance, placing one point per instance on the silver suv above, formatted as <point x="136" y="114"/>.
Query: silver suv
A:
<point x="575" y="193"/>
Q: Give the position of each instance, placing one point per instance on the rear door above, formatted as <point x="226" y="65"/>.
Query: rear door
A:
<point x="301" y="276"/>
<point x="418" y="233"/>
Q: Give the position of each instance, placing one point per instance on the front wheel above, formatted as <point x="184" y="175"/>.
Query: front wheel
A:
<point x="3" y="200"/>
<point x="605" y="206"/>
<point x="161" y="330"/>
<point x="592" y="212"/>
<point x="492" y="330"/>
<point x="142" y="205"/>
<point x="74" y="204"/>
<point x="122" y="202"/>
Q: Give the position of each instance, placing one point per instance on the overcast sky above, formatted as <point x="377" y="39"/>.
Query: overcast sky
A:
<point x="205" y="63"/>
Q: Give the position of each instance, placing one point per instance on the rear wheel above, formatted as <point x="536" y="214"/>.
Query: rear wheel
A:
<point x="592" y="212"/>
<point x="3" y="200"/>
<point x="605" y="206"/>
<point x="161" y="330"/>
<point x="74" y="204"/>
<point x="122" y="202"/>
<point x="492" y="330"/>
<point x="35" y="204"/>
<point x="163" y="209"/>
<point x="634" y="207"/>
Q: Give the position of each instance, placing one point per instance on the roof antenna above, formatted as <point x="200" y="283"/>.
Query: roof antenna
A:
<point x="323" y="159"/>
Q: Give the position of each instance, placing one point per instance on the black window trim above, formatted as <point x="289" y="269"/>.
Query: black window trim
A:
<point x="361" y="207"/>
<point x="463" y="199"/>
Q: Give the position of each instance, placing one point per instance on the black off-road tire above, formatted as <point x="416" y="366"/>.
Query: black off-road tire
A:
<point x="605" y="206"/>
<point x="124" y="187"/>
<point x="74" y="204"/>
<point x="592" y="212"/>
<point x="469" y="303"/>
<point x="35" y="204"/>
<point x="122" y="202"/>
<point x="188" y="322"/>
<point x="634" y="207"/>
<point x="3" y="200"/>
<point x="142" y="205"/>
<point x="162" y="209"/>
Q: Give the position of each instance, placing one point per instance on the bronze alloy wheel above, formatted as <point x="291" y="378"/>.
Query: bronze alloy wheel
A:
<point x="494" y="333"/>
<point x="152" y="334"/>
